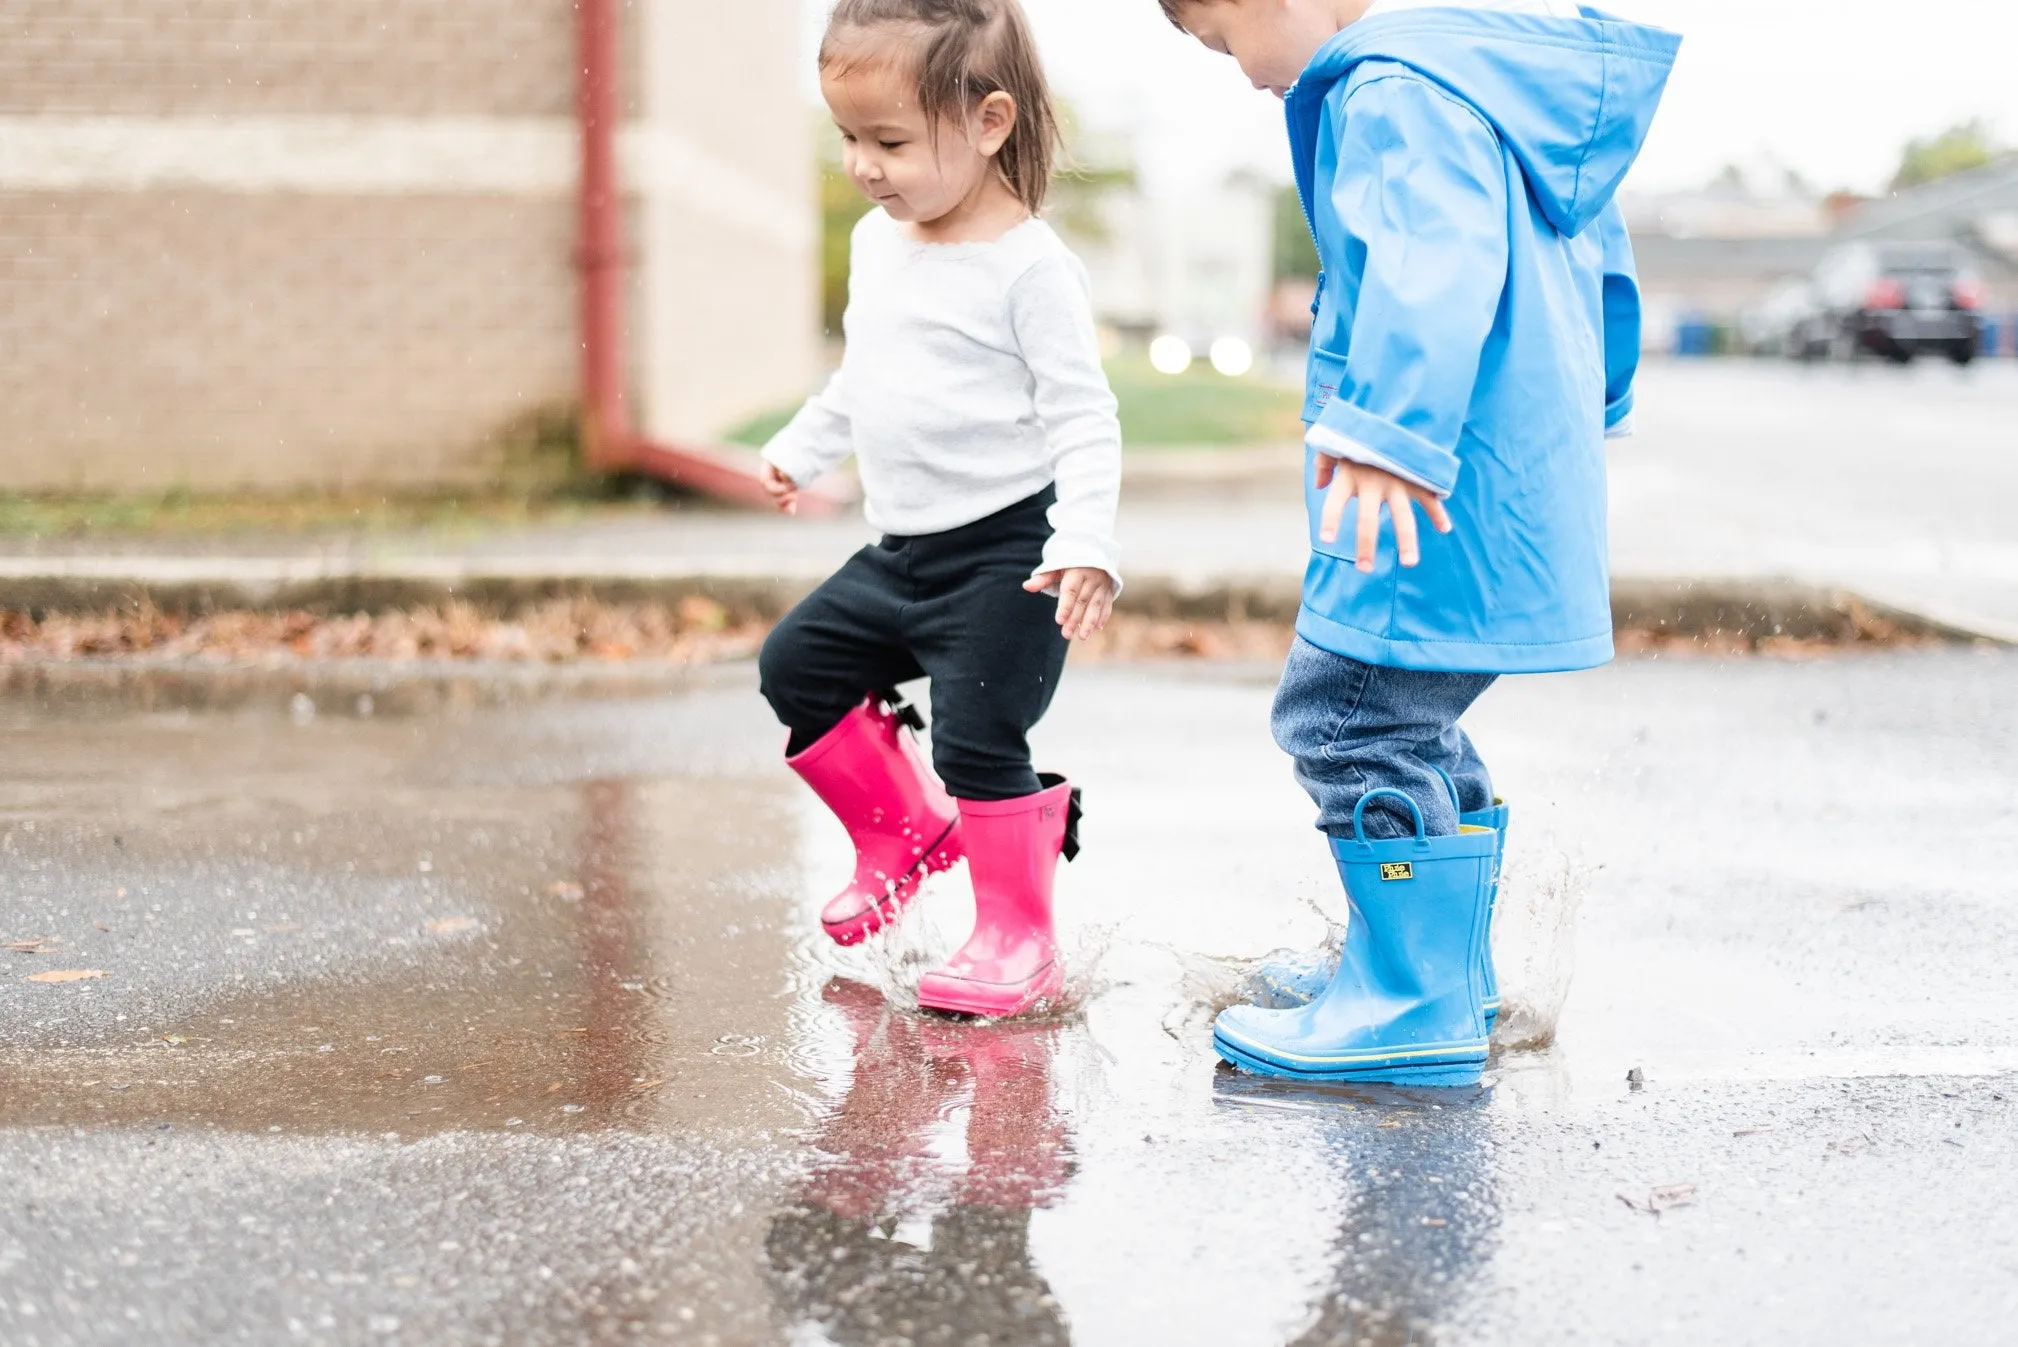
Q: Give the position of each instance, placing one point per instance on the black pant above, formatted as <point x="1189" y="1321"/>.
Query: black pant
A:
<point x="948" y="606"/>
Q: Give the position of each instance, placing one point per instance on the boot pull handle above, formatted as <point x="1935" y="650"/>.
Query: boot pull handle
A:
<point x="1414" y="809"/>
<point x="906" y="713"/>
<point x="1449" y="785"/>
<point x="1074" y="811"/>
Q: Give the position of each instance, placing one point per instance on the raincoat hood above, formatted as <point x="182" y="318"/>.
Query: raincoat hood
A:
<point x="1571" y="98"/>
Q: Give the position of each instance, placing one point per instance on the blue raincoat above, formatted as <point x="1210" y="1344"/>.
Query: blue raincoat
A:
<point x="1477" y="330"/>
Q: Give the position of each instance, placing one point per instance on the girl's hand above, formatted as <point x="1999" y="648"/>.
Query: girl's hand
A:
<point x="1085" y="598"/>
<point x="784" y="491"/>
<point x="1374" y="488"/>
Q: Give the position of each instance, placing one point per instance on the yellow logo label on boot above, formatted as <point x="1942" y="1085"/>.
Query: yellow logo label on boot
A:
<point x="1397" y="870"/>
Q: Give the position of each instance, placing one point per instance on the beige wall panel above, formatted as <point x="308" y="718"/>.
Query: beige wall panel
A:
<point x="157" y="340"/>
<point x="730" y="285"/>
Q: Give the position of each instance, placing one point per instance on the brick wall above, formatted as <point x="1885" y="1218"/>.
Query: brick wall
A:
<point x="329" y="242"/>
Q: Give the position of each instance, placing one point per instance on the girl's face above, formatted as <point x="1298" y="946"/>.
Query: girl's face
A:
<point x="1273" y="40"/>
<point x="892" y="152"/>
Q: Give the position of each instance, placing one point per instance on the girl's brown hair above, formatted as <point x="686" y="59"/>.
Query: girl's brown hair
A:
<point x="964" y="51"/>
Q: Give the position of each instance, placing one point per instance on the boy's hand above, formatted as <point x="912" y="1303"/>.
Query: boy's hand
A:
<point x="1374" y="488"/>
<point x="784" y="491"/>
<point x="1085" y="598"/>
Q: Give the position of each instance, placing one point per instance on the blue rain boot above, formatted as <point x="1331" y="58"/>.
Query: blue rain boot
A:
<point x="1296" y="979"/>
<point x="1407" y="1003"/>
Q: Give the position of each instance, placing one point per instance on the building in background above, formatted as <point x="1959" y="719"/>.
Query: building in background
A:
<point x="332" y="243"/>
<point x="1741" y="248"/>
<point x="1192" y="263"/>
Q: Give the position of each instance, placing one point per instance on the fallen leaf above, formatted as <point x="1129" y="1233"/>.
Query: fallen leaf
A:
<point x="554" y="1088"/>
<point x="26" y="946"/>
<point x="101" y="926"/>
<point x="1752" y="1131"/>
<point x="67" y="975"/>
<point x="450" y="925"/>
<point x="567" y="892"/>
<point x="174" y="1040"/>
<point x="1664" y="1198"/>
<point x="647" y="1084"/>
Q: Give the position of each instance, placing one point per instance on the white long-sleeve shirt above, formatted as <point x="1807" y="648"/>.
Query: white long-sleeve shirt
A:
<point x="971" y="381"/>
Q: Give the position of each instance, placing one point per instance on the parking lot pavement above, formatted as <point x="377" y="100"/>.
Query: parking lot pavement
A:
<point x="511" y="1024"/>
<point x="1902" y="484"/>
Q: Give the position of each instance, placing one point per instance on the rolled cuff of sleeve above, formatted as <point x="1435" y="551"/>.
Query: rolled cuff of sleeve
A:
<point x="1619" y="417"/>
<point x="1334" y="445"/>
<point x="1344" y="431"/>
<point x="1066" y="550"/>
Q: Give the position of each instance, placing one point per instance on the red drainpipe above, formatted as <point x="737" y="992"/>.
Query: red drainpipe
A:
<point x="610" y="443"/>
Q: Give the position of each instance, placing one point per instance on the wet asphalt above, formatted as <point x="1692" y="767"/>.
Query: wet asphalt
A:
<point x="447" y="1017"/>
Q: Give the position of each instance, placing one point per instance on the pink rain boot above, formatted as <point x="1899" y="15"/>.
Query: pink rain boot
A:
<point x="904" y="825"/>
<point x="1010" y="963"/>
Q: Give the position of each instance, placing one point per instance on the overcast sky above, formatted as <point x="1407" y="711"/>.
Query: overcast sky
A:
<point x="1831" y="87"/>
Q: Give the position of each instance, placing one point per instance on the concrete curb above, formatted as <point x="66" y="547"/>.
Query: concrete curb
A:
<point x="1748" y="607"/>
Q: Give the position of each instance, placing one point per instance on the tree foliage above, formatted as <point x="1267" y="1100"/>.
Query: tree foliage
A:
<point x="840" y="207"/>
<point x="1295" y="252"/>
<point x="1956" y="150"/>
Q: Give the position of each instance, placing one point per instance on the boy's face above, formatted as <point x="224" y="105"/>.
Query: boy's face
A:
<point x="1273" y="40"/>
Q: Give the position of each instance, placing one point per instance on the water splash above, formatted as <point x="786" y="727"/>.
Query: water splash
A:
<point x="1534" y="942"/>
<point x="933" y="926"/>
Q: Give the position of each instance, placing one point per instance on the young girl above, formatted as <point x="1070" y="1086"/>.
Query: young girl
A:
<point x="972" y="395"/>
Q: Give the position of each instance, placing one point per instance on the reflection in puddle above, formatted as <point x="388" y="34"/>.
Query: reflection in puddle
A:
<point x="362" y="939"/>
<point x="1420" y="1215"/>
<point x="915" y="1222"/>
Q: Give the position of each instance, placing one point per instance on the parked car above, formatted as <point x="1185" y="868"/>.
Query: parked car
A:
<point x="1894" y="300"/>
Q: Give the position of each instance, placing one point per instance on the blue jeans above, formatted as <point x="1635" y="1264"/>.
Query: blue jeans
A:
<point x="1355" y="727"/>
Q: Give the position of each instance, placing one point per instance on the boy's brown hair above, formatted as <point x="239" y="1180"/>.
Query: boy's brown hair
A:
<point x="965" y="50"/>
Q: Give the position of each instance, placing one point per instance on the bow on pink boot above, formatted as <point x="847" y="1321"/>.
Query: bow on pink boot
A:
<point x="903" y="824"/>
<point x="1010" y="963"/>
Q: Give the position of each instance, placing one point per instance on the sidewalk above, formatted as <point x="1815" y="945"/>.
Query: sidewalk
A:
<point x="1753" y="487"/>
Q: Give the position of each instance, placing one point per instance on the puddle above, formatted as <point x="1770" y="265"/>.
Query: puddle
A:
<point x="930" y="1164"/>
<point x="427" y="955"/>
<point x="566" y="954"/>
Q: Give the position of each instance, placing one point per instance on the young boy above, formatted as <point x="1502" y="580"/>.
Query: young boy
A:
<point x="1476" y="337"/>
